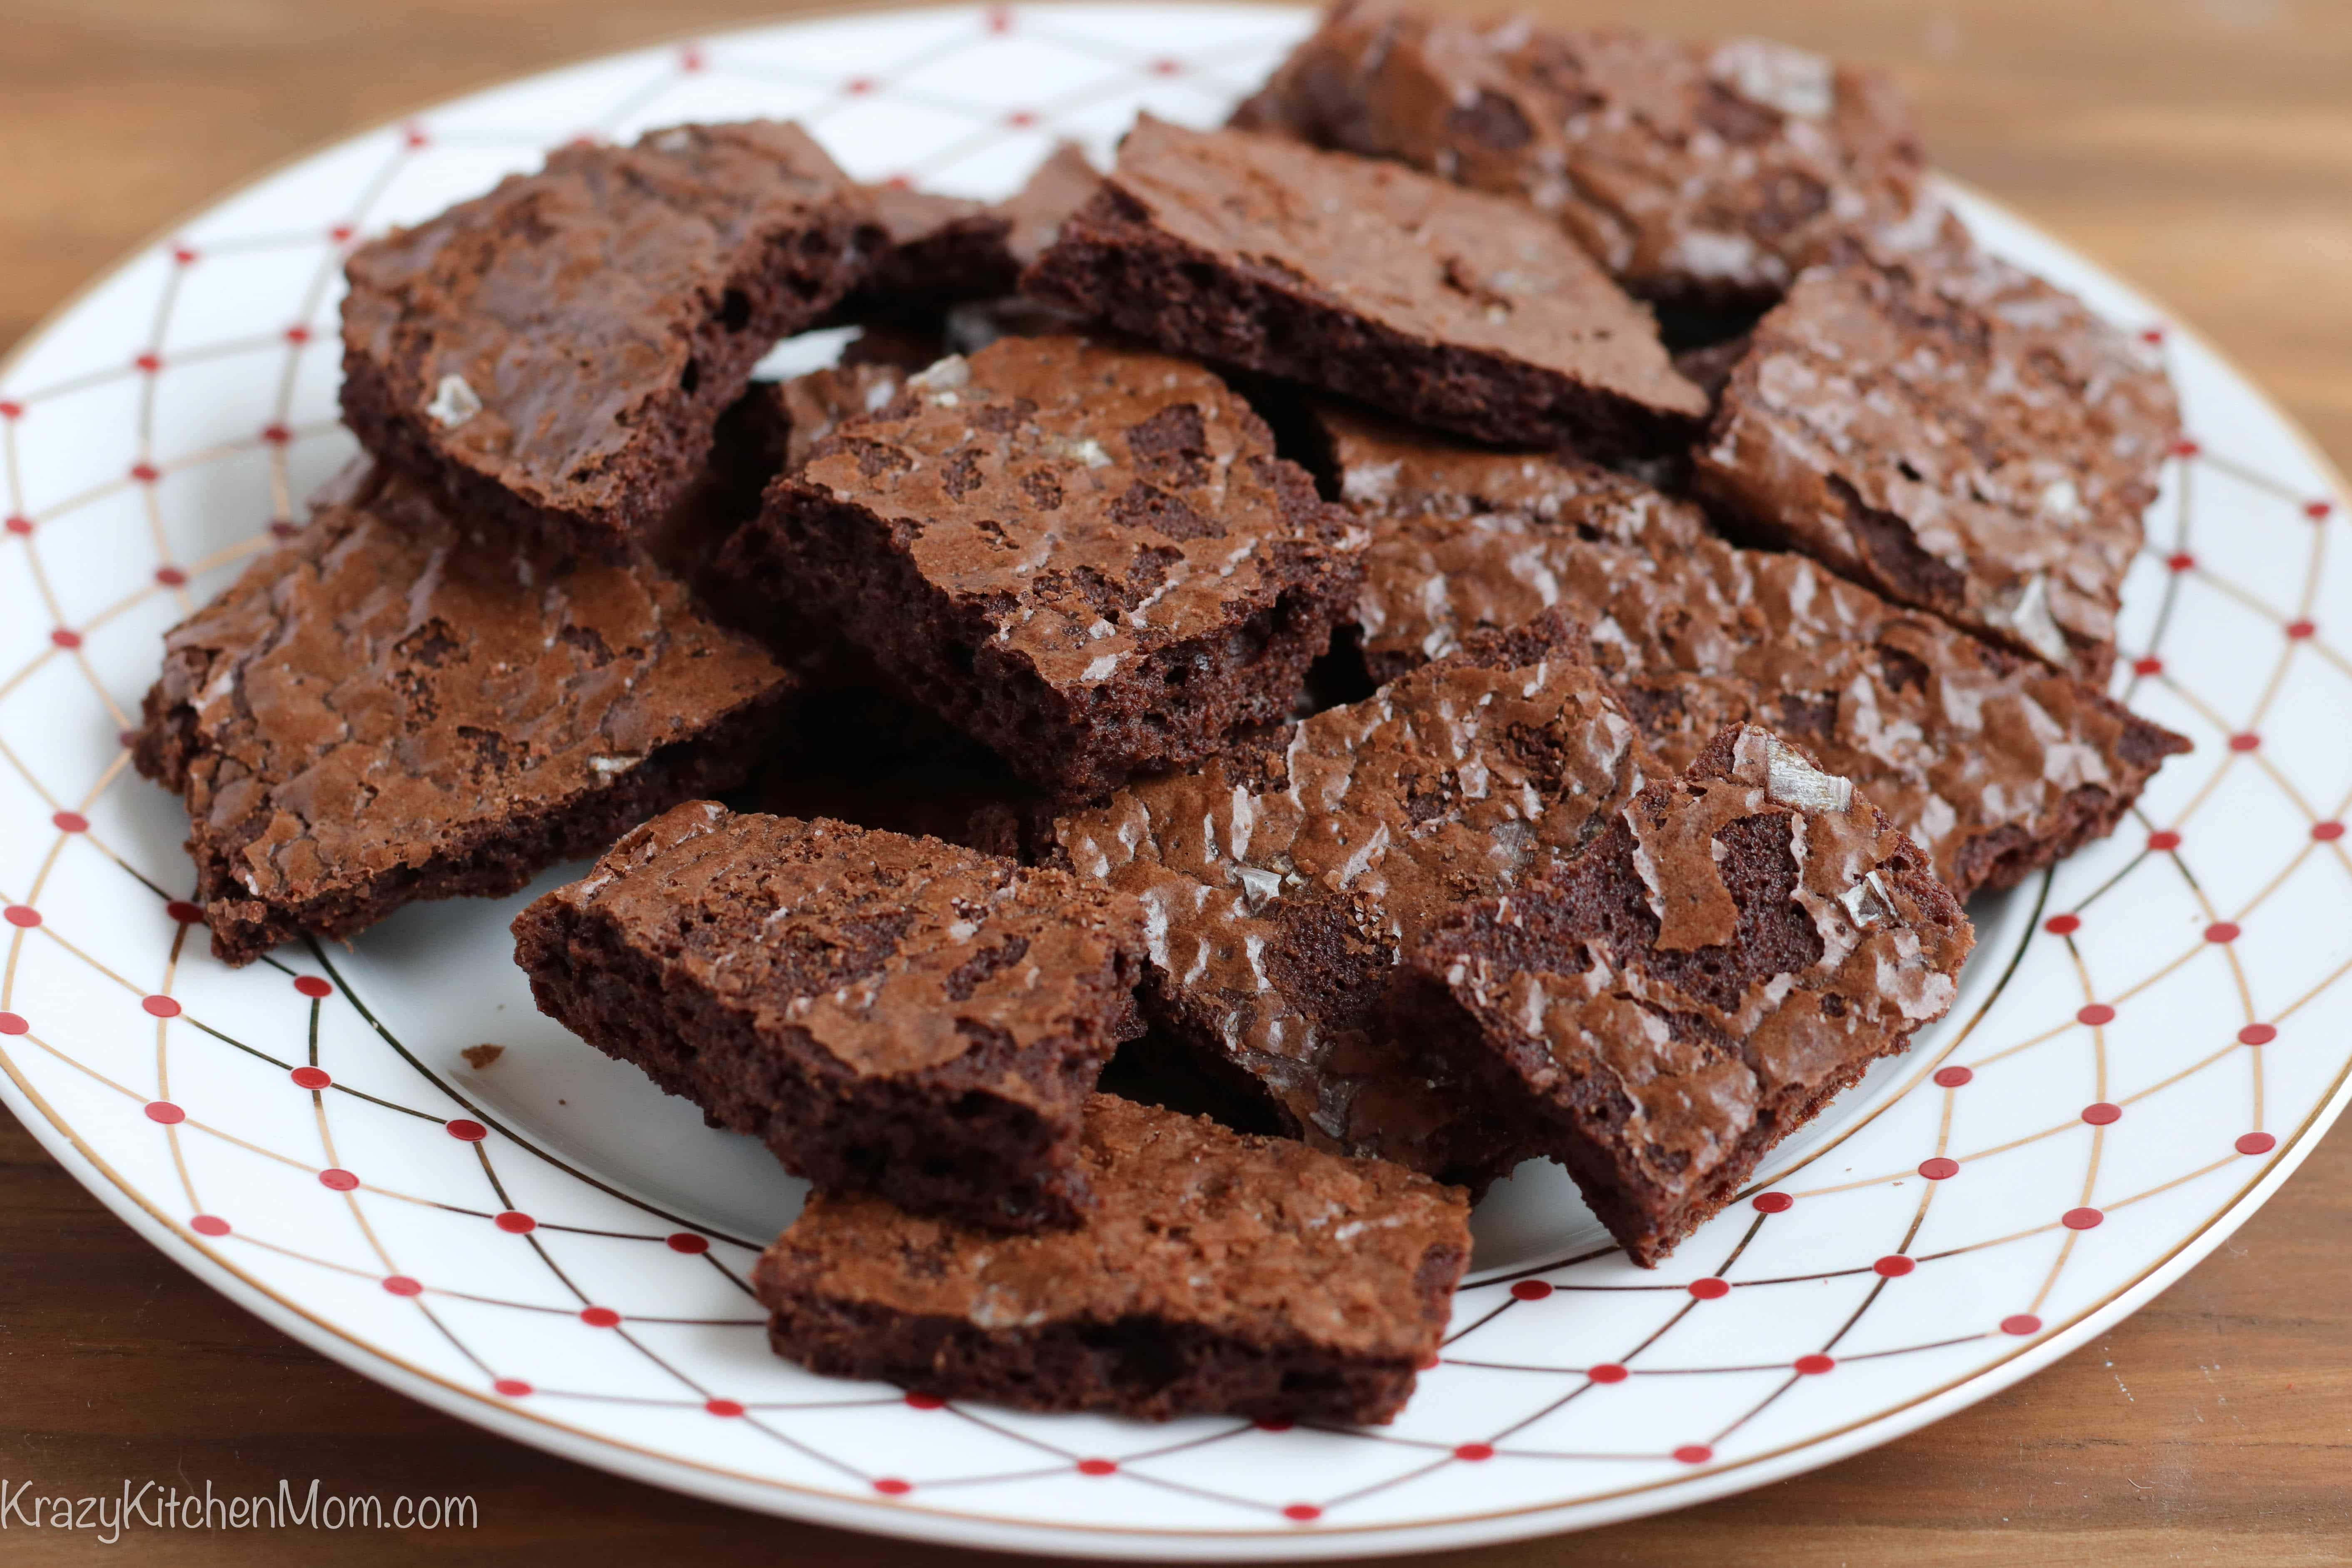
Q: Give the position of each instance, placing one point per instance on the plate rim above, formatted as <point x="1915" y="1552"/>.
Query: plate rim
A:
<point x="923" y="1521"/>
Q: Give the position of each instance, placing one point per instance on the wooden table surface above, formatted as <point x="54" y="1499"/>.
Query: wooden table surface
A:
<point x="2201" y="147"/>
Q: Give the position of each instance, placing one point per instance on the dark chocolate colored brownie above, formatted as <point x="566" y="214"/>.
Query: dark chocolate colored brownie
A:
<point x="1703" y="173"/>
<point x="392" y="706"/>
<point x="891" y="1014"/>
<point x="1998" y="765"/>
<point x="1088" y="558"/>
<point x="1062" y="184"/>
<point x="1450" y="307"/>
<point x="1956" y="435"/>
<point x="554" y="354"/>
<point x="1739" y="945"/>
<point x="1283" y="881"/>
<point x="1218" y="1274"/>
<point x="925" y="250"/>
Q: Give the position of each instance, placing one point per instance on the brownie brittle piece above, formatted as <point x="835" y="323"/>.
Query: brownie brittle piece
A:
<point x="1739" y="944"/>
<point x="1706" y="174"/>
<point x="1062" y="184"/>
<point x="1450" y="307"/>
<point x="1087" y="557"/>
<point x="1283" y="881"/>
<point x="554" y="354"/>
<point x="1997" y="765"/>
<point x="1217" y="1274"/>
<point x="394" y="705"/>
<point x="1957" y="435"/>
<point x="889" y="1013"/>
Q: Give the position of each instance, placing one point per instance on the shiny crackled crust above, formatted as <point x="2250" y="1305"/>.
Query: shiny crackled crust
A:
<point x="1706" y="174"/>
<point x="1449" y="306"/>
<point x="391" y="707"/>
<point x="889" y="1013"/>
<point x="1957" y="435"/>
<point x="1740" y="944"/>
<point x="1218" y="1274"/>
<point x="1087" y="557"/>
<point x="1996" y="764"/>
<point x="555" y="353"/>
<point x="1283" y="881"/>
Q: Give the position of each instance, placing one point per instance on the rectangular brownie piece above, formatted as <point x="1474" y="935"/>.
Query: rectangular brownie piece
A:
<point x="1997" y="765"/>
<point x="1956" y="435"/>
<point x="1285" y="879"/>
<point x="1218" y="1274"/>
<point x="1703" y="173"/>
<point x="397" y="705"/>
<point x="1450" y="307"/>
<point x="1739" y="944"/>
<point x="1087" y="557"/>
<point x="554" y="354"/>
<point x="891" y="1014"/>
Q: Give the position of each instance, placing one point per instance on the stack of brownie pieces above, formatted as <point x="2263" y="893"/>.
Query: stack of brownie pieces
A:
<point x="1495" y="608"/>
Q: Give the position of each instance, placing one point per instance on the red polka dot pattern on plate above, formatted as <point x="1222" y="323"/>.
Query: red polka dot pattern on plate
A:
<point x="1940" y="1168"/>
<point x="1710" y="1289"/>
<point x="1772" y="1203"/>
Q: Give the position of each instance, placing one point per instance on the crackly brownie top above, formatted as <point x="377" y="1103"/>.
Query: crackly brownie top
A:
<point x="1428" y="260"/>
<point x="1354" y="830"/>
<point x="1750" y="926"/>
<point x="1458" y="531"/>
<point x="1952" y="738"/>
<point x="1962" y="434"/>
<point x="1709" y="171"/>
<point x="388" y="685"/>
<point x="814" y="404"/>
<point x="892" y="954"/>
<point x="1060" y="186"/>
<point x="532" y="326"/>
<point x="1092" y="503"/>
<point x="1260" y="1238"/>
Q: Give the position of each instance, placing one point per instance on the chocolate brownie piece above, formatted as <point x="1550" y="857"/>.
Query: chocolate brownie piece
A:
<point x="1087" y="557"/>
<point x="396" y="705"/>
<point x="1450" y="307"/>
<point x="1998" y="765"/>
<point x="1739" y="944"/>
<point x="1283" y="881"/>
<point x="925" y="250"/>
<point x="1957" y="435"/>
<point x="1459" y="531"/>
<point x="1701" y="173"/>
<point x="555" y="353"/>
<point x="1218" y="1274"/>
<point x="1034" y="214"/>
<point x="891" y="1014"/>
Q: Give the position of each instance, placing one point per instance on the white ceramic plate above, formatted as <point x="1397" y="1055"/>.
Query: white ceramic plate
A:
<point x="2145" y="1045"/>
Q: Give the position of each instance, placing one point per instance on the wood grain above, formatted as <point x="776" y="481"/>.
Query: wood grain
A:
<point x="2203" y="148"/>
